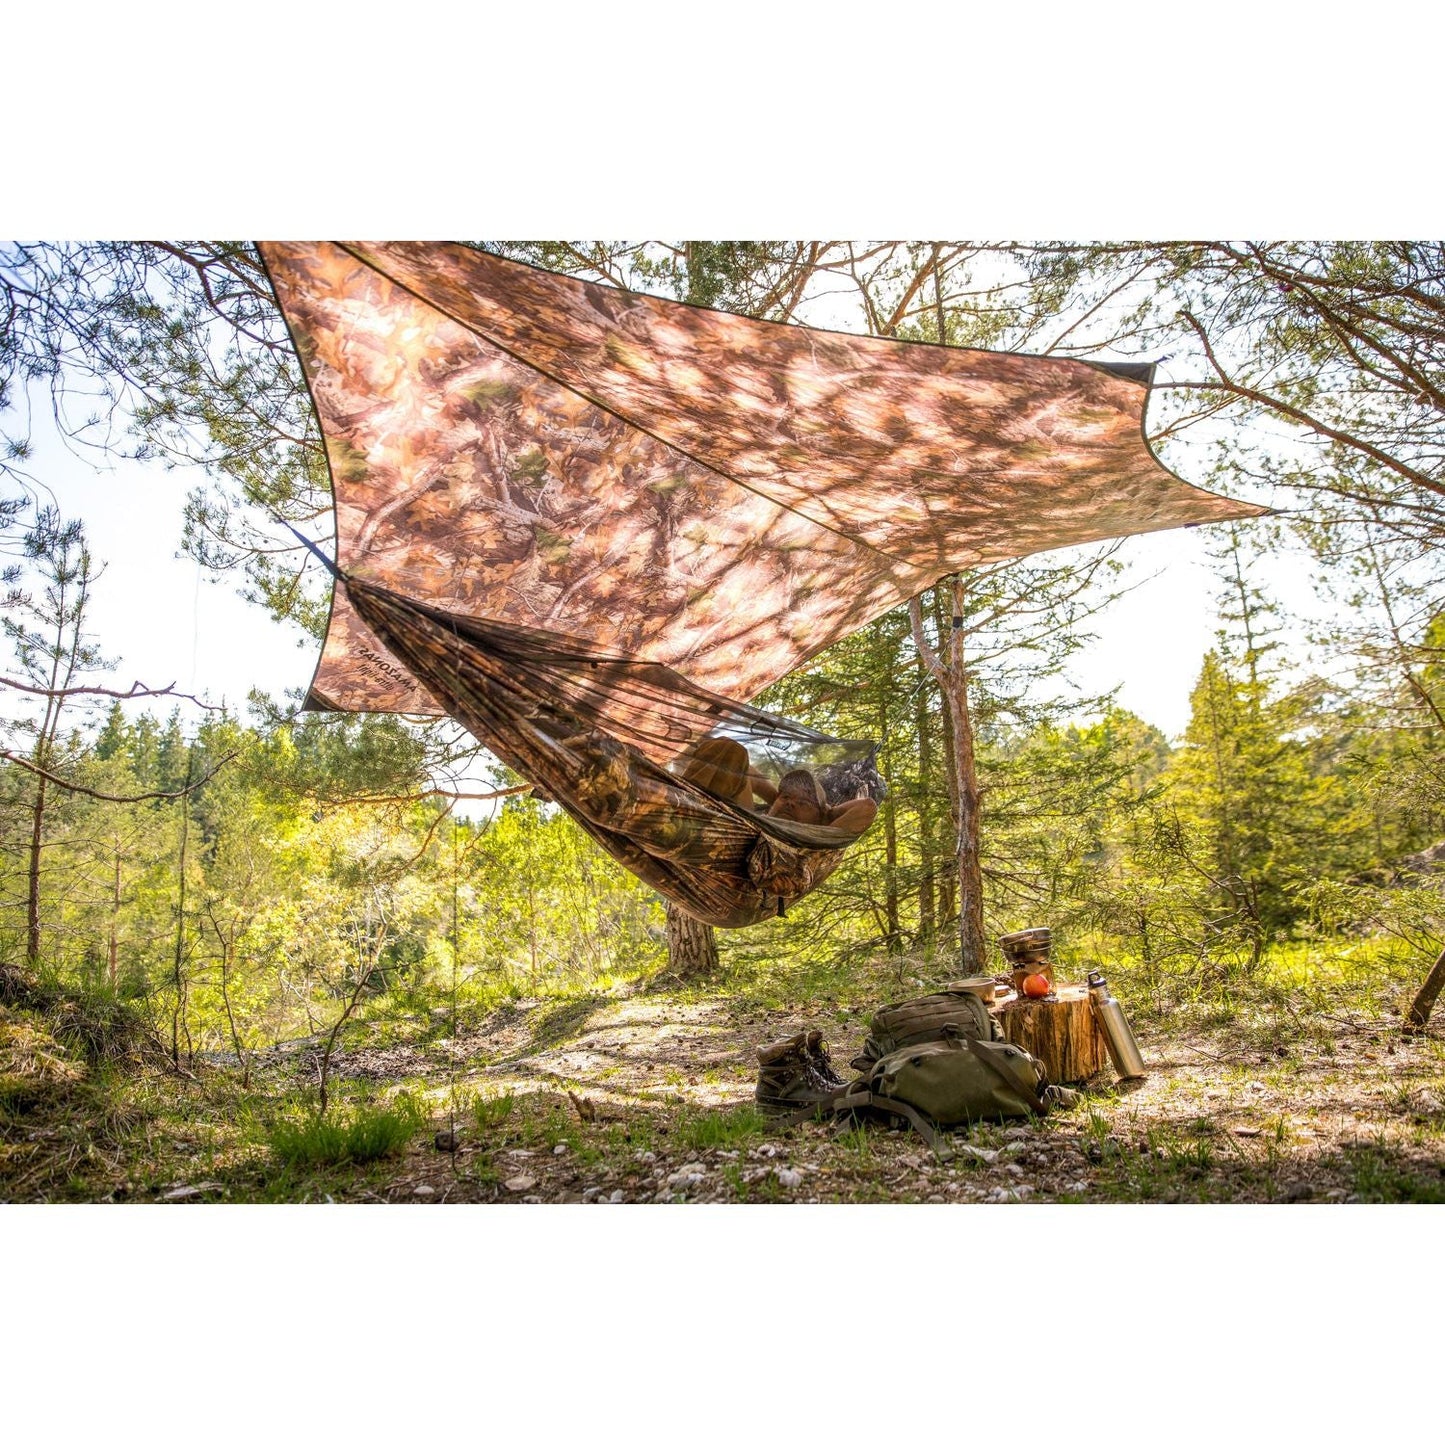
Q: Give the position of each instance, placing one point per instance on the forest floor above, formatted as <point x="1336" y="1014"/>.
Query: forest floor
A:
<point x="639" y="1096"/>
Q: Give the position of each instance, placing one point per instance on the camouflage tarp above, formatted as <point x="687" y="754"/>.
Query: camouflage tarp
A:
<point x="523" y="460"/>
<point x="722" y="495"/>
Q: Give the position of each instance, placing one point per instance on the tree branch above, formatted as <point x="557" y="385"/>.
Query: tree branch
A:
<point x="59" y="782"/>
<point x="136" y="690"/>
<point x="1276" y="404"/>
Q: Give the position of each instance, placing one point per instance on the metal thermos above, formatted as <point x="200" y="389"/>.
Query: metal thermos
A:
<point x="1123" y="1048"/>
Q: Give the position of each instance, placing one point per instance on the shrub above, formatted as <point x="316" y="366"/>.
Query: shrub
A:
<point x="364" y="1135"/>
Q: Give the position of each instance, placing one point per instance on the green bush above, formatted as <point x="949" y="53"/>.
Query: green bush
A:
<point x="364" y="1135"/>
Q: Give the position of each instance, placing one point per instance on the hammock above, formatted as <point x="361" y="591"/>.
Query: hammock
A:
<point x="583" y="725"/>
<point x="590" y="524"/>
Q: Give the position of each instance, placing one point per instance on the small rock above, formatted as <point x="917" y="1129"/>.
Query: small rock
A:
<point x="588" y="1195"/>
<point x="531" y="1199"/>
<point x="686" y="1177"/>
<point x="1247" y="1133"/>
<point x="789" y="1178"/>
<point x="446" y="1141"/>
<point x="1015" y="1169"/>
<point x="560" y="1149"/>
<point x="616" y="1197"/>
<point x="519" y="1183"/>
<point x="984" y="1156"/>
<point x="647" y="1157"/>
<point x="427" y="1189"/>
<point x="186" y="1191"/>
<point x="766" y="1151"/>
<point x="1016" y="1133"/>
<point x="1017" y="1147"/>
<point x="1298" y="1192"/>
<point x="1255" y="1087"/>
<point x="1335" y="1194"/>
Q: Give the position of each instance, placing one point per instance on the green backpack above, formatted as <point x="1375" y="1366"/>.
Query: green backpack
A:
<point x="951" y="1082"/>
<point x="934" y="1063"/>
<point x="955" y="1013"/>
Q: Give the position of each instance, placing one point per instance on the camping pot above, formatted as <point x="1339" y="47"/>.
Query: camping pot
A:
<point x="1026" y="952"/>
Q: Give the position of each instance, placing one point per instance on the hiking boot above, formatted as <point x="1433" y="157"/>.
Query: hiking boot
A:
<point x="794" y="1072"/>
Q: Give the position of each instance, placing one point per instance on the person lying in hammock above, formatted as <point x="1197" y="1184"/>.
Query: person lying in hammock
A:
<point x="800" y="799"/>
<point x="722" y="767"/>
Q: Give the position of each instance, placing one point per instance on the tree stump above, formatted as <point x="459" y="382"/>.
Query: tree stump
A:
<point x="1059" y="1032"/>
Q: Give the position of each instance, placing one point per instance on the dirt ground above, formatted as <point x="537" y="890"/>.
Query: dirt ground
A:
<point x="648" y="1099"/>
<point x="1335" y="1108"/>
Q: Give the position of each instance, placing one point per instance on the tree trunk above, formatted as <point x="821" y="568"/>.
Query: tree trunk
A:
<point x="1418" y="1015"/>
<point x="178" y="976"/>
<point x="32" y="898"/>
<point x="972" y="949"/>
<point x="952" y="679"/>
<point x="927" y="926"/>
<point x="691" y="946"/>
<point x="894" y="942"/>
<point x="113" y="950"/>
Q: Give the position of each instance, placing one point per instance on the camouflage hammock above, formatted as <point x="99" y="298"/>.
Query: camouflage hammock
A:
<point x="590" y="524"/>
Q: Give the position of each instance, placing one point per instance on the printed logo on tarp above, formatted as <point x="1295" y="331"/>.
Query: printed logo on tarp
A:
<point x="376" y="663"/>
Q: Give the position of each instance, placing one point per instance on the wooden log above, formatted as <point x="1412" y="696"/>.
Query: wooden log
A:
<point x="1059" y="1032"/>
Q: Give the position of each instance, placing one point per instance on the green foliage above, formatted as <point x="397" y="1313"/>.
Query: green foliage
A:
<point x="364" y="1134"/>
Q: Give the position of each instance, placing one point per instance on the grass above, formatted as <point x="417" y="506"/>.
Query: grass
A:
<point x="363" y="1135"/>
<point x="1380" y="1176"/>
<point x="698" y="1129"/>
<point x="490" y="1112"/>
